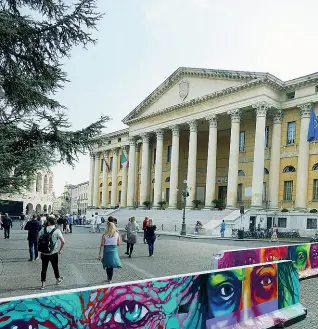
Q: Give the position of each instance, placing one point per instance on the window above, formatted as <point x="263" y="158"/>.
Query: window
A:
<point x="266" y="136"/>
<point x="120" y="183"/>
<point x="154" y="156"/>
<point x="109" y="196"/>
<point x="316" y="89"/>
<point x="111" y="163"/>
<point x="102" y="165"/>
<point x="266" y="171"/>
<point x="291" y="133"/>
<point x="153" y="181"/>
<point x="315" y="167"/>
<point x="169" y="154"/>
<point x="290" y="95"/>
<point x="109" y="142"/>
<point x="264" y="191"/>
<point x="242" y="141"/>
<point x="119" y="140"/>
<point x="315" y="191"/>
<point x="289" y="169"/>
<point x="311" y="223"/>
<point x="101" y="185"/>
<point x="239" y="192"/>
<point x="288" y="190"/>
<point x="119" y="196"/>
<point x="110" y="184"/>
<point x="282" y="222"/>
<point x="167" y="179"/>
<point x="100" y="196"/>
<point x="167" y="195"/>
<point x="241" y="173"/>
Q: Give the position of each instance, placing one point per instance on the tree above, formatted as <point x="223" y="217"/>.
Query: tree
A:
<point x="35" y="37"/>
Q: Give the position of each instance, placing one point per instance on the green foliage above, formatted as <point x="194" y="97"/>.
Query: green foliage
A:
<point x="162" y="203"/>
<point x="146" y="204"/>
<point x="218" y="204"/>
<point x="285" y="210"/>
<point x="196" y="203"/>
<point x="36" y="37"/>
<point x="313" y="211"/>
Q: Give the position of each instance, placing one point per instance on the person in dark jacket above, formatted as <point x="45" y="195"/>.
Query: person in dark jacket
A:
<point x="150" y="236"/>
<point x="6" y="224"/>
<point x="33" y="227"/>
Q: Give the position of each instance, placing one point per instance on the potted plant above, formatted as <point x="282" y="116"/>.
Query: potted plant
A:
<point x="285" y="210"/>
<point x="313" y="211"/>
<point x="196" y="203"/>
<point x="218" y="204"/>
<point x="162" y="204"/>
<point x="146" y="204"/>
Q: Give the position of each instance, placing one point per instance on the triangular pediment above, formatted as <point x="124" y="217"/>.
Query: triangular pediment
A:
<point x="187" y="84"/>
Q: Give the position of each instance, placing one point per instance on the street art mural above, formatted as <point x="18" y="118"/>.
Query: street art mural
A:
<point x="304" y="256"/>
<point x="213" y="300"/>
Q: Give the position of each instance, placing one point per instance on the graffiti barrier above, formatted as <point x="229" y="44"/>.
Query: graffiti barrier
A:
<point x="215" y="299"/>
<point x="304" y="257"/>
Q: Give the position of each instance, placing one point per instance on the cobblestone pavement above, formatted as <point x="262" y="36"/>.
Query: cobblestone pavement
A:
<point x="80" y="267"/>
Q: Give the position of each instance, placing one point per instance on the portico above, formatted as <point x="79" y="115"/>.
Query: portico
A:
<point x="221" y="131"/>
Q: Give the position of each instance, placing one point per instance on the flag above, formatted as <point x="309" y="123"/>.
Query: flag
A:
<point x="106" y="164"/>
<point x="123" y="160"/>
<point x="313" y="126"/>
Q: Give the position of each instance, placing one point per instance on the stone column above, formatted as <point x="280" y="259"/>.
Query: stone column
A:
<point x="114" y="178"/>
<point x="234" y="158"/>
<point x="91" y="181"/>
<point x="105" y="175"/>
<point x="158" y="169"/>
<point x="211" y="165"/>
<point x="131" y="172"/>
<point x="124" y="180"/>
<point x="96" y="180"/>
<point x="275" y="160"/>
<point x="192" y="163"/>
<point x="174" y="171"/>
<point x="144" y="179"/>
<point x="137" y="185"/>
<point x="303" y="159"/>
<point x="259" y="155"/>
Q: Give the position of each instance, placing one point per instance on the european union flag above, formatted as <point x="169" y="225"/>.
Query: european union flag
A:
<point x="313" y="127"/>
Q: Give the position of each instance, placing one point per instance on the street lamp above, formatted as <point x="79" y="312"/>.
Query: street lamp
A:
<point x="185" y="194"/>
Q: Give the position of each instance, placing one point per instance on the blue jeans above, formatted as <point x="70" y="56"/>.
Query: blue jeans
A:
<point x="110" y="273"/>
<point x="151" y="245"/>
<point x="222" y="233"/>
<point x="33" y="244"/>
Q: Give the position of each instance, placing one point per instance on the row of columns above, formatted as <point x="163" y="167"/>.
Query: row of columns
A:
<point x="129" y="187"/>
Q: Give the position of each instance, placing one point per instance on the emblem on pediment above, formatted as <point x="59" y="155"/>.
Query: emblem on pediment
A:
<point x="183" y="89"/>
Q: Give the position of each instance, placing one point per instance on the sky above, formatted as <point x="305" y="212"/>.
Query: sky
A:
<point x="142" y="42"/>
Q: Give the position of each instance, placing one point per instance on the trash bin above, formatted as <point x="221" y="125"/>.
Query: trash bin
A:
<point x="240" y="234"/>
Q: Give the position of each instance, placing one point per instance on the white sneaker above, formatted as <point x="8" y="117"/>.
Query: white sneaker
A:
<point x="59" y="280"/>
<point x="37" y="258"/>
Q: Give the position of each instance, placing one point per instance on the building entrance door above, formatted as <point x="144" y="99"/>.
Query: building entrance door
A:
<point x="222" y="194"/>
<point x="252" y="223"/>
<point x="269" y="223"/>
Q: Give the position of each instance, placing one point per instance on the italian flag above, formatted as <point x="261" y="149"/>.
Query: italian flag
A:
<point x="123" y="160"/>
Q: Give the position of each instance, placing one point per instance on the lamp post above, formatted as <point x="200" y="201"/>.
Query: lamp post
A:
<point x="185" y="194"/>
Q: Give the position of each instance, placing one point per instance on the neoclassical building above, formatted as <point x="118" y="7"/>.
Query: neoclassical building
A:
<point x="39" y="197"/>
<point x="239" y="137"/>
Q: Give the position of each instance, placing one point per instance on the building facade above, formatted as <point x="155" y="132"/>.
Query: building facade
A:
<point x="236" y="137"/>
<point x="75" y="198"/>
<point x="39" y="197"/>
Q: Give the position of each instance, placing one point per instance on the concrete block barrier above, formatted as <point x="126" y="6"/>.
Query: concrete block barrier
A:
<point x="304" y="257"/>
<point x="262" y="295"/>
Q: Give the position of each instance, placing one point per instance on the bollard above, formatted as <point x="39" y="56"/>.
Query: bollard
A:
<point x="175" y="228"/>
<point x="161" y="227"/>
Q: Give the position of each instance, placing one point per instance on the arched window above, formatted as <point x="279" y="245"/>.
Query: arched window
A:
<point x="167" y="179"/>
<point x="110" y="184"/>
<point x="241" y="173"/>
<point x="50" y="184"/>
<point x="45" y="189"/>
<point x="153" y="181"/>
<point x="120" y="183"/>
<point x="101" y="185"/>
<point x="315" y="167"/>
<point x="39" y="182"/>
<point x="289" y="169"/>
<point x="266" y="171"/>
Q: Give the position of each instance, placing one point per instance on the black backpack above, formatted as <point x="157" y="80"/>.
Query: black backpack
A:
<point x="45" y="243"/>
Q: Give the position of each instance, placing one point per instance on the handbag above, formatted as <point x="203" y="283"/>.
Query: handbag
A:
<point x="124" y="237"/>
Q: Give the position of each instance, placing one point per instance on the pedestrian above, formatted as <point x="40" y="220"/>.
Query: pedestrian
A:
<point x="98" y="223"/>
<point x="6" y="224"/>
<point x="150" y="236"/>
<point x="60" y="223"/>
<point x="108" y="251"/>
<point x="50" y="251"/>
<point x="33" y="227"/>
<point x="222" y="228"/>
<point x="131" y="228"/>
<point x="84" y="220"/>
<point x="79" y="219"/>
<point x="93" y="223"/>
<point x="274" y="234"/>
<point x="70" y="223"/>
<point x="67" y="225"/>
<point x="144" y="225"/>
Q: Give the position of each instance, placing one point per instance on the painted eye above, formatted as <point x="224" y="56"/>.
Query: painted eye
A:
<point x="301" y="255"/>
<point x="266" y="281"/>
<point x="226" y="291"/>
<point x="130" y="312"/>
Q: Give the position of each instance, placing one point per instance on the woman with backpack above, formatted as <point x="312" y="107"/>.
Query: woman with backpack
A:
<point x="108" y="252"/>
<point x="50" y="251"/>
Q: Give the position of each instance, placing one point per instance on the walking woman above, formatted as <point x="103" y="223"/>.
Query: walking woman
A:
<point x="274" y="234"/>
<point x="131" y="228"/>
<point x="150" y="236"/>
<point x="108" y="252"/>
